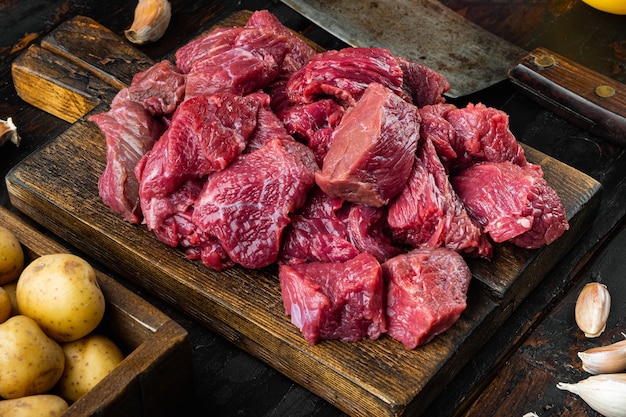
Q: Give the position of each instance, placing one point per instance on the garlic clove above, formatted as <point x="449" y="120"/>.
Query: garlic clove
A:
<point x="607" y="359"/>
<point x="605" y="393"/>
<point x="152" y="17"/>
<point x="592" y="309"/>
<point x="8" y="131"/>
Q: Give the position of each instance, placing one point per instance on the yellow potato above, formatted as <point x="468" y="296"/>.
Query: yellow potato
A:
<point x="5" y="305"/>
<point x="87" y="361"/>
<point x="61" y="293"/>
<point x="611" y="6"/>
<point x="10" y="289"/>
<point x="11" y="256"/>
<point x="44" y="405"/>
<point x="30" y="362"/>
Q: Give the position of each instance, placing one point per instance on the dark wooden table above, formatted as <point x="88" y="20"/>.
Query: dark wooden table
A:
<point x="516" y="372"/>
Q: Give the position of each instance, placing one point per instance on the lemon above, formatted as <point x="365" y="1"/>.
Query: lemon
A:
<point x="611" y="6"/>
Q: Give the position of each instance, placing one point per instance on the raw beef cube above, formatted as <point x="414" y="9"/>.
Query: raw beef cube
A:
<point x="316" y="233"/>
<point x="428" y="214"/>
<point x="369" y="232"/>
<point x="299" y="51"/>
<point x="213" y="43"/>
<point x="205" y="135"/>
<point x="130" y="132"/>
<point x="512" y="203"/>
<point x="438" y="130"/>
<point x="335" y="300"/>
<point x="424" y="85"/>
<point x="247" y="205"/>
<point x="268" y="125"/>
<point x="251" y="64"/>
<point x="482" y="134"/>
<point x="426" y="294"/>
<point x="372" y="150"/>
<point x="160" y="89"/>
<point x="344" y="75"/>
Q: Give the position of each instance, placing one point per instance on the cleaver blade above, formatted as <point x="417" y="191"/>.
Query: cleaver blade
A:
<point x="472" y="59"/>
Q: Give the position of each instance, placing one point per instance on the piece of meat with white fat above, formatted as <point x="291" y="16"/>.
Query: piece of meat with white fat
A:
<point x="342" y="300"/>
<point x="345" y="74"/>
<point x="160" y="89"/>
<point x="130" y="131"/>
<point x="426" y="294"/>
<point x="372" y="150"/>
<point x="205" y="135"/>
<point x="316" y="233"/>
<point x="247" y="205"/>
<point x="253" y="62"/>
<point x="428" y="214"/>
<point x="512" y="203"/>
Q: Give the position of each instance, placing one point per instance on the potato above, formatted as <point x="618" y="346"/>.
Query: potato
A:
<point x="5" y="305"/>
<point x="11" y="256"/>
<point x="87" y="361"/>
<point x="10" y="289"/>
<point x="31" y="362"/>
<point x="44" y="405"/>
<point x="61" y="293"/>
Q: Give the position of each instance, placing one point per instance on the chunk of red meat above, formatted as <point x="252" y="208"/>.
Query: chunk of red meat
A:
<point x="428" y="214"/>
<point x="424" y="85"/>
<point x="205" y="135"/>
<point x="438" y="130"/>
<point x="372" y="150"/>
<point x="268" y="125"/>
<point x="130" y="132"/>
<point x="159" y="89"/>
<point x="335" y="300"/>
<point x="213" y="43"/>
<point x="482" y="134"/>
<point x="344" y="75"/>
<point x="426" y="294"/>
<point x="299" y="51"/>
<point x="313" y="123"/>
<point x="246" y="206"/>
<point x="512" y="203"/>
<point x="316" y="233"/>
<point x="369" y="232"/>
<point x="249" y="65"/>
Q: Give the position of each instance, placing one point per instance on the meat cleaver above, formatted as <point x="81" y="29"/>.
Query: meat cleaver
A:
<point x="428" y="32"/>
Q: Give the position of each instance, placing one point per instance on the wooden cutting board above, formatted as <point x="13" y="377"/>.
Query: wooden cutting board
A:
<point x="77" y="70"/>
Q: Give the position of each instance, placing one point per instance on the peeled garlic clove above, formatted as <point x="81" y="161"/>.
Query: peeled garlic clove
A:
<point x="152" y="17"/>
<point x="605" y="359"/>
<point x="8" y="131"/>
<point x="592" y="309"/>
<point x="606" y="393"/>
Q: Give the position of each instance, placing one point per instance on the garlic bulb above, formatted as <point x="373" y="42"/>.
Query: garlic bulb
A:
<point x="605" y="359"/>
<point x="606" y="393"/>
<point x="8" y="132"/>
<point x="152" y="17"/>
<point x="592" y="309"/>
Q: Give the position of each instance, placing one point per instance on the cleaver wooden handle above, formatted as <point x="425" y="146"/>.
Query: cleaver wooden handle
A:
<point x="584" y="97"/>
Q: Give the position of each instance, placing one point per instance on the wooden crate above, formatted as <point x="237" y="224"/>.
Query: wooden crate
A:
<point x="155" y="377"/>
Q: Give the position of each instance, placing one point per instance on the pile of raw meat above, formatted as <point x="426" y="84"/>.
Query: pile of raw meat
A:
<point x="346" y="167"/>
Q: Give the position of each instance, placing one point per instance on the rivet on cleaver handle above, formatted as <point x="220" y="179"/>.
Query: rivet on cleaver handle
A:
<point x="584" y="97"/>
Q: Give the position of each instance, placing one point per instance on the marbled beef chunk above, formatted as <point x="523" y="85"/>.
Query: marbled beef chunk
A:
<point x="335" y="300"/>
<point x="372" y="150"/>
<point x="130" y="131"/>
<point x="247" y="205"/>
<point x="344" y="75"/>
<point x="428" y="214"/>
<point x="205" y="135"/>
<point x="160" y="89"/>
<point x="316" y="233"/>
<point x="254" y="61"/>
<point x="512" y="203"/>
<point x="426" y="294"/>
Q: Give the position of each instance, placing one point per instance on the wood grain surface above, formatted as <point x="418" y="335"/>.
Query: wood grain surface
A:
<point x="57" y="187"/>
